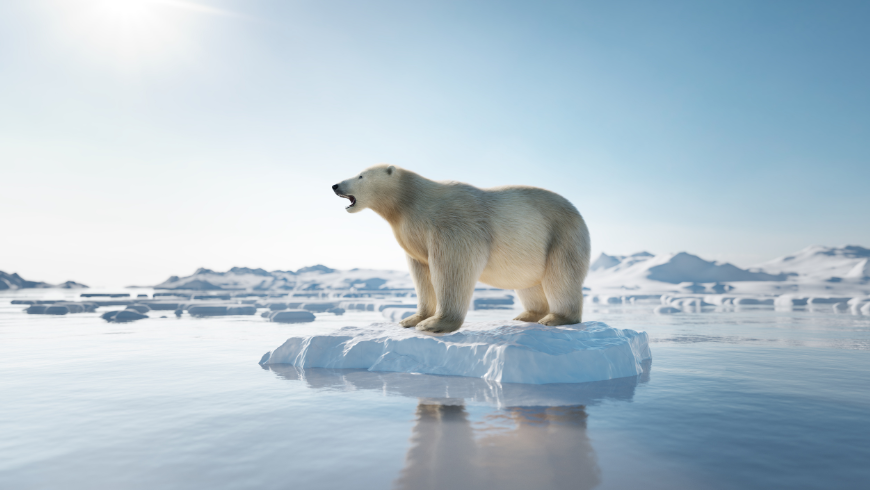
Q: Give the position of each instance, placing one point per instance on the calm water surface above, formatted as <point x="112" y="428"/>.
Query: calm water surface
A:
<point x="732" y="399"/>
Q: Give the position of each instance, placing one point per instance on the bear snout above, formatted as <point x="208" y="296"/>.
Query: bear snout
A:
<point x="335" y="189"/>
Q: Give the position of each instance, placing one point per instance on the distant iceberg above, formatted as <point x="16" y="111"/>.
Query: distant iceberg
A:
<point x="507" y="352"/>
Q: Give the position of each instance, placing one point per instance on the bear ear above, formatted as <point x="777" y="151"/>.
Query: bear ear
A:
<point x="390" y="170"/>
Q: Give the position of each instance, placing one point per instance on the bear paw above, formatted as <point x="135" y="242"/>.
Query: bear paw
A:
<point x="553" y="320"/>
<point x="439" y="325"/>
<point x="412" y="320"/>
<point x="530" y="316"/>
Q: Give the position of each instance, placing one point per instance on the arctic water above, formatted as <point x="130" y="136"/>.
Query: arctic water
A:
<point x="747" y="398"/>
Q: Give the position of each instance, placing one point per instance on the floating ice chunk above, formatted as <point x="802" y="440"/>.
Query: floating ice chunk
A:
<point x="396" y="315"/>
<point x="825" y="301"/>
<point x="292" y="316"/>
<point x="865" y="309"/>
<point x="494" y="302"/>
<point x="56" y="310"/>
<point x="508" y="352"/>
<point x="241" y="310"/>
<point x="394" y="305"/>
<point x="789" y="300"/>
<point x="839" y="307"/>
<point x="319" y="307"/>
<point x="207" y="310"/>
<point x="753" y="301"/>
<point x="609" y="300"/>
<point x="122" y="316"/>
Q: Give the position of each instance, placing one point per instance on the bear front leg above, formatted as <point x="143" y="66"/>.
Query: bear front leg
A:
<point x="454" y="273"/>
<point x="425" y="293"/>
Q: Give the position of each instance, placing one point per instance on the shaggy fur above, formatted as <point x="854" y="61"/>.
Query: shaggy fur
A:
<point x="513" y="237"/>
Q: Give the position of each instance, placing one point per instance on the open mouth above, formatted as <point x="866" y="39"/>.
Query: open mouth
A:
<point x="352" y="200"/>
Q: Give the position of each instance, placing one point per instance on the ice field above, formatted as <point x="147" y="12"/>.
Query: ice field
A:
<point x="735" y="396"/>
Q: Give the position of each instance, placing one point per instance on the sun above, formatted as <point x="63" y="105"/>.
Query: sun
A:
<point x="124" y="11"/>
<point x="126" y="32"/>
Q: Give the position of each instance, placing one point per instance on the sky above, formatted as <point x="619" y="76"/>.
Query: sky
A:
<point x="141" y="139"/>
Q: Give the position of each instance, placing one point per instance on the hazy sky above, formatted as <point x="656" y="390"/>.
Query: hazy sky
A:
<point x="141" y="139"/>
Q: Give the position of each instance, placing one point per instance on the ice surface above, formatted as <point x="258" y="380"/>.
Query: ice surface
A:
<point x="508" y="352"/>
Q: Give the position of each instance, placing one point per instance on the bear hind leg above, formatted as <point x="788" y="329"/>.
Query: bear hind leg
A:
<point x="534" y="303"/>
<point x="566" y="303"/>
<point x="567" y="266"/>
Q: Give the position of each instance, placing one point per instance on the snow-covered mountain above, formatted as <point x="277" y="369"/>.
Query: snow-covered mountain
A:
<point x="314" y="278"/>
<point x="14" y="281"/>
<point x="641" y="270"/>
<point x="605" y="261"/>
<point x="813" y="269"/>
<point x="830" y="264"/>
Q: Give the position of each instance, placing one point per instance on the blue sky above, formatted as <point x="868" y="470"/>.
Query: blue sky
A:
<point x="140" y="139"/>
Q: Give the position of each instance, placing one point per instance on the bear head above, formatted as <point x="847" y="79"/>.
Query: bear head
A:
<point x="368" y="188"/>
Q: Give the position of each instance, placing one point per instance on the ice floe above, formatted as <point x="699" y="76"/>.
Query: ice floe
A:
<point x="291" y="316"/>
<point x="508" y="352"/>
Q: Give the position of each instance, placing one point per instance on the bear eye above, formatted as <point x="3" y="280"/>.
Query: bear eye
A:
<point x="360" y="176"/>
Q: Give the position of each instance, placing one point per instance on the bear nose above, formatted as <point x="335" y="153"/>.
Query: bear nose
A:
<point x="335" y="187"/>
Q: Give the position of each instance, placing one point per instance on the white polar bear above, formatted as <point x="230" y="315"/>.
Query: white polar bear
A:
<point x="514" y="237"/>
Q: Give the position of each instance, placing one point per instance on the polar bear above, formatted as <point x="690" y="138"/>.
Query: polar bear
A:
<point x="514" y="237"/>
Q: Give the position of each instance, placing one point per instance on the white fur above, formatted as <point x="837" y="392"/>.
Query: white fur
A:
<point x="513" y="237"/>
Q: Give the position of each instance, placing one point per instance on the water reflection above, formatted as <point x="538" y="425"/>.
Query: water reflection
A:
<point x="466" y="390"/>
<point x="518" y="448"/>
<point x="534" y="437"/>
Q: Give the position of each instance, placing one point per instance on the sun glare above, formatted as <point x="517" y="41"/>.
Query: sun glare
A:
<point x="124" y="11"/>
<point x="134" y="32"/>
<point x="129" y="31"/>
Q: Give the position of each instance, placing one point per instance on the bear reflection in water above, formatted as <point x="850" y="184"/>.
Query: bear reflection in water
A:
<point x="518" y="448"/>
<point x="536" y="438"/>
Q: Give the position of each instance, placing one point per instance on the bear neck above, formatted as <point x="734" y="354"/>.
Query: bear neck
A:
<point x="410" y="189"/>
